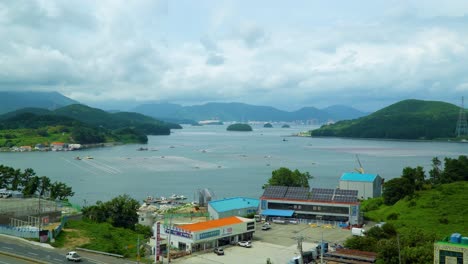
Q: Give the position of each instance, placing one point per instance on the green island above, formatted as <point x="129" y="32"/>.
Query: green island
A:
<point x="408" y="119"/>
<point x="37" y="129"/>
<point x="285" y="126"/>
<point x="268" y="125"/>
<point x="239" y="127"/>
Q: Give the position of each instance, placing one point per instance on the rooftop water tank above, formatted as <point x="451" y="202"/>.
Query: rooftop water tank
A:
<point x="464" y="240"/>
<point x="455" y="238"/>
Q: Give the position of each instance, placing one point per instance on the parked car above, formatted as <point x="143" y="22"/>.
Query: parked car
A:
<point x="218" y="251"/>
<point x="246" y="244"/>
<point x="73" y="256"/>
<point x="266" y="227"/>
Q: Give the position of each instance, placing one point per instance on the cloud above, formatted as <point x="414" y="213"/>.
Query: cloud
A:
<point x="215" y="60"/>
<point x="145" y="50"/>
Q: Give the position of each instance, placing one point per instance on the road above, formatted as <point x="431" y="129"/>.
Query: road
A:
<point x="26" y="252"/>
<point x="11" y="260"/>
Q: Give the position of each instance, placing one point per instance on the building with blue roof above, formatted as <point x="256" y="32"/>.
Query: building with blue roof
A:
<point x="367" y="185"/>
<point x="236" y="206"/>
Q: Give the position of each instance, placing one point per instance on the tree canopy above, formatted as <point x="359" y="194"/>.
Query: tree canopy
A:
<point x="414" y="179"/>
<point x="30" y="184"/>
<point x="121" y="211"/>
<point x="285" y="177"/>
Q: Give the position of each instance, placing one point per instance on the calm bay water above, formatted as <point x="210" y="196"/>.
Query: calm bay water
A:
<point x="228" y="163"/>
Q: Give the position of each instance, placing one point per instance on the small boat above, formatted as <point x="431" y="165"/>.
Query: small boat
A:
<point x="77" y="158"/>
<point x="177" y="197"/>
<point x="89" y="157"/>
<point x="285" y="139"/>
<point x="142" y="149"/>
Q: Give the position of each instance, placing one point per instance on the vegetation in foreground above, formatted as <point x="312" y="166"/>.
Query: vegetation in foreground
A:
<point x="418" y="210"/>
<point x="103" y="237"/>
<point x="30" y="184"/>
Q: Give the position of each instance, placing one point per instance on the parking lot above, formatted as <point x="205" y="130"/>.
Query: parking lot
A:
<point x="279" y="244"/>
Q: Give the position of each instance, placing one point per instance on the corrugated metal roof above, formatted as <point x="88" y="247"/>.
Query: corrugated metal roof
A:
<point x="213" y="224"/>
<point x="276" y="212"/>
<point x="353" y="176"/>
<point x="233" y="204"/>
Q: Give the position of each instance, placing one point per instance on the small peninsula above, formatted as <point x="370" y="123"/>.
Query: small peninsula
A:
<point x="407" y="119"/>
<point x="239" y="127"/>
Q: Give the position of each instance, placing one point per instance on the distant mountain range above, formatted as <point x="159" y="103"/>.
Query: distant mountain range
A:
<point x="245" y="112"/>
<point x="408" y="119"/>
<point x="11" y="100"/>
<point x="175" y="113"/>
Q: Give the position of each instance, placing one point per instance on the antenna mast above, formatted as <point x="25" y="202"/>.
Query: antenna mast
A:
<point x="462" y="126"/>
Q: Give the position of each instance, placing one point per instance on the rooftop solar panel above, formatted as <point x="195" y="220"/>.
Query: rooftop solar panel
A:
<point x="299" y="193"/>
<point x="346" y="199"/>
<point x="346" y="192"/>
<point x="275" y="191"/>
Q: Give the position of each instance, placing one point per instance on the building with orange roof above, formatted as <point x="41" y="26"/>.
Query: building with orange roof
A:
<point x="209" y="234"/>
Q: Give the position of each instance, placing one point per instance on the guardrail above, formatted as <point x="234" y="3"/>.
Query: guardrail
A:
<point x="100" y="252"/>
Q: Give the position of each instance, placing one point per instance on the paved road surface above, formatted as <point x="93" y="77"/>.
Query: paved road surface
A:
<point x="10" y="260"/>
<point x="21" y="247"/>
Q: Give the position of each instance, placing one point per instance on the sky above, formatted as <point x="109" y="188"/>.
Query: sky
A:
<point x="288" y="54"/>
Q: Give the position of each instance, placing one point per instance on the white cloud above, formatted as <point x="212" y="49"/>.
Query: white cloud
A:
<point x="120" y="50"/>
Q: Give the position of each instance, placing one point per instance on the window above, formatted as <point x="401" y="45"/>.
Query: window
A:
<point x="251" y="226"/>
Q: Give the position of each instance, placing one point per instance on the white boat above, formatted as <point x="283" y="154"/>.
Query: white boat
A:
<point x="177" y="197"/>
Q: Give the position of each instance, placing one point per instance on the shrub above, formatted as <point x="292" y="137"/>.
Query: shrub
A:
<point x="393" y="216"/>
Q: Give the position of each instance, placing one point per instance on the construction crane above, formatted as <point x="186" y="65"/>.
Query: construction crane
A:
<point x="360" y="169"/>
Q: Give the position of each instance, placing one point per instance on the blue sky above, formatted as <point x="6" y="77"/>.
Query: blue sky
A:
<point x="288" y="54"/>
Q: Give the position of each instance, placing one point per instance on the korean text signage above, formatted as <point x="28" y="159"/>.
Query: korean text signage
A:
<point x="158" y="241"/>
<point x="209" y="234"/>
<point x="178" y="232"/>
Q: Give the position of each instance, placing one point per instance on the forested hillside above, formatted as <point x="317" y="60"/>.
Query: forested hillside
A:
<point x="408" y="119"/>
<point x="77" y="124"/>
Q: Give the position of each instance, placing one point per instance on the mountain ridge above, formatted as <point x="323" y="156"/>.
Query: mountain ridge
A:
<point x="407" y="119"/>
<point x="242" y="112"/>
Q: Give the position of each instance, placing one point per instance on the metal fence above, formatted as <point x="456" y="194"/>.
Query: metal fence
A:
<point x="24" y="232"/>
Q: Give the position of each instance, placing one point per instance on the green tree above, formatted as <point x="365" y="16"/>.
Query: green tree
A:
<point x="396" y="189"/>
<point x="286" y="177"/>
<point x="32" y="186"/>
<point x="60" y="191"/>
<point x="415" y="176"/>
<point x="435" y="173"/>
<point x="121" y="211"/>
<point x="44" y="185"/>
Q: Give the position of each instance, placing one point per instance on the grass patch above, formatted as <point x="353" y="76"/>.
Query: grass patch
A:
<point x="441" y="210"/>
<point x="101" y="237"/>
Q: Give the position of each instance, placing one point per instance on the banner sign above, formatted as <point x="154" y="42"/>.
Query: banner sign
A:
<point x="158" y="241"/>
<point x="209" y="234"/>
<point x="178" y="232"/>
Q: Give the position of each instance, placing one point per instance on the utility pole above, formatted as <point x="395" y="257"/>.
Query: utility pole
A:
<point x="300" y="238"/>
<point x="398" y="242"/>
<point x="138" y="249"/>
<point x="169" y="241"/>
<point x="321" y="250"/>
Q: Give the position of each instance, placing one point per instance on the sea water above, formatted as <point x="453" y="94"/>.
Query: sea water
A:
<point x="228" y="163"/>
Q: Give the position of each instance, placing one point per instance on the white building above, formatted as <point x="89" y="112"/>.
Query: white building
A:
<point x="367" y="185"/>
<point x="209" y="234"/>
<point x="285" y="203"/>
<point x="236" y="206"/>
